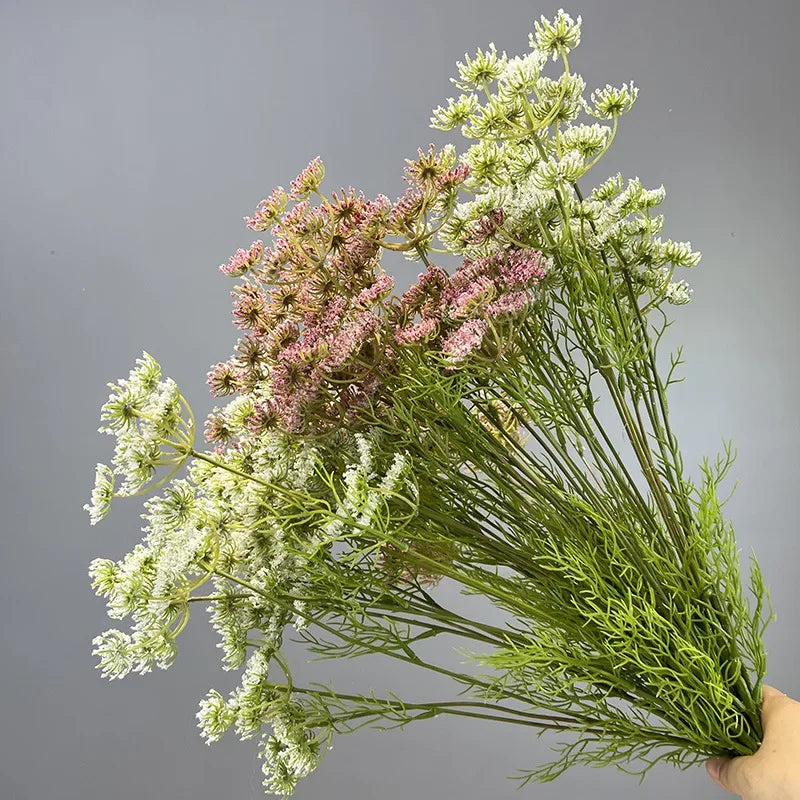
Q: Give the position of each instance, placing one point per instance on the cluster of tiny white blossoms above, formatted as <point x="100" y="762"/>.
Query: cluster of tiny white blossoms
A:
<point x="369" y="486"/>
<point x="530" y="152"/>
<point x="223" y="517"/>
<point x="292" y="750"/>
<point x="225" y="525"/>
<point x="145" y="414"/>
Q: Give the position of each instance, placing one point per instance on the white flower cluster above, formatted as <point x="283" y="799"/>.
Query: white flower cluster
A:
<point x="144" y="413"/>
<point x="659" y="280"/>
<point x="121" y="653"/>
<point x="485" y="68"/>
<point x="529" y="150"/>
<point x="290" y="753"/>
<point x="521" y="75"/>
<point x="622" y="224"/>
<point x="611" y="101"/>
<point x="533" y="191"/>
<point x="559" y="36"/>
<point x="180" y="532"/>
<point x="552" y="173"/>
<point x="215" y="517"/>
<point x="292" y="750"/>
<point x="588" y="140"/>
<point x="559" y="100"/>
<point x="455" y="113"/>
<point x="102" y="494"/>
<point x="368" y="490"/>
<point x="151" y="583"/>
<point x="228" y="515"/>
<point x="245" y="708"/>
<point x="678" y="293"/>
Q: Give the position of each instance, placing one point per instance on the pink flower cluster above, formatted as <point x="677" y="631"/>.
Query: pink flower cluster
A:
<point x="320" y="330"/>
<point x="309" y="179"/>
<point x="312" y="307"/>
<point x="429" y="176"/>
<point x="457" y="311"/>
<point x="464" y="340"/>
<point x="243" y="260"/>
<point x="486" y="227"/>
<point x="268" y="211"/>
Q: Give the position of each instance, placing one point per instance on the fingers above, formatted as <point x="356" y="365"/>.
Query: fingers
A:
<point x="730" y="773"/>
<point x="772" y="696"/>
<point x="780" y="717"/>
<point x="712" y="767"/>
<point x="771" y="691"/>
<point x="738" y="775"/>
<point x="771" y="700"/>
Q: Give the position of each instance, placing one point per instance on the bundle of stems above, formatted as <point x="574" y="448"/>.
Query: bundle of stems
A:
<point x="503" y="428"/>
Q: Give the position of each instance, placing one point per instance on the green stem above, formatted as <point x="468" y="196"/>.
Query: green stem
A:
<point x="556" y="722"/>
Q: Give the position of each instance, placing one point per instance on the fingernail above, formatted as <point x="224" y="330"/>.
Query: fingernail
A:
<point x="713" y="765"/>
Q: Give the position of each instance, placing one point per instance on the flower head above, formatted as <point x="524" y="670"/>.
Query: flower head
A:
<point x="102" y="494"/>
<point x="291" y="753"/>
<point x="115" y="653"/>
<point x="308" y="180"/>
<point x="678" y="293"/>
<point x="521" y="268"/>
<point x="521" y="75"/>
<point x="222" y="379"/>
<point x="508" y="304"/>
<point x="242" y="260"/>
<point x="457" y="112"/>
<point x="461" y="343"/>
<point x="484" y="68"/>
<point x="475" y="296"/>
<point x="612" y="102"/>
<point x="430" y="167"/>
<point x="145" y="415"/>
<point x="215" y="716"/>
<point x="559" y="36"/>
<point x="268" y="211"/>
<point x="552" y="173"/>
<point x="423" y="331"/>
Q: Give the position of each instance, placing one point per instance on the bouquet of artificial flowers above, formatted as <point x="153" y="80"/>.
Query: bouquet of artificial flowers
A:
<point x="373" y="445"/>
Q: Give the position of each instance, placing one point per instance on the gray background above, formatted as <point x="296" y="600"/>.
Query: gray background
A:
<point x="135" y="136"/>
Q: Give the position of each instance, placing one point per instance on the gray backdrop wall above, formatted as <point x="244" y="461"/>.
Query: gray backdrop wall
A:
<point x="136" y="135"/>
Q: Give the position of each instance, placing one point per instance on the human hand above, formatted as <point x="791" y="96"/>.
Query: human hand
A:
<point x="773" y="771"/>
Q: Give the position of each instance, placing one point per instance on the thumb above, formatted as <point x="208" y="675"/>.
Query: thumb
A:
<point x="736" y="774"/>
<point x="731" y="774"/>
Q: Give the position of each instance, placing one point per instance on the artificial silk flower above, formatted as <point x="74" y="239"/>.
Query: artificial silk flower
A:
<point x="369" y="445"/>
